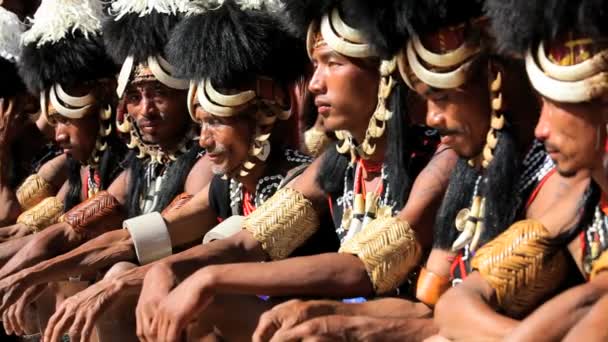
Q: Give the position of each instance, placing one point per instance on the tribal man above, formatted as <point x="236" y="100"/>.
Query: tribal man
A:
<point x="564" y="43"/>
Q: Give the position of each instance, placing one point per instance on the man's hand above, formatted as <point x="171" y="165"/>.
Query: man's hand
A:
<point x="11" y="289"/>
<point x="158" y="282"/>
<point x="177" y="310"/>
<point x="77" y="314"/>
<point x="14" y="316"/>
<point x="289" y="314"/>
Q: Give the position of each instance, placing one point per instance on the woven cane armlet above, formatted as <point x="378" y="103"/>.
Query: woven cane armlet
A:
<point x="91" y="211"/>
<point x="178" y="202"/>
<point x="33" y="190"/>
<point x="42" y="214"/>
<point x="600" y="265"/>
<point x="283" y="223"/>
<point x="522" y="266"/>
<point x="431" y="286"/>
<point x="389" y="250"/>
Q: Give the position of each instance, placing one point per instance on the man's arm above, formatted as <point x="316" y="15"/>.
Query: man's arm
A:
<point x="62" y="237"/>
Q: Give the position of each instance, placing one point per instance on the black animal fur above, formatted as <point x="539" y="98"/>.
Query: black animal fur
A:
<point x="72" y="60"/>
<point x="498" y="185"/>
<point x="172" y="186"/>
<point x="517" y="24"/>
<point x="230" y="45"/>
<point x="137" y="36"/>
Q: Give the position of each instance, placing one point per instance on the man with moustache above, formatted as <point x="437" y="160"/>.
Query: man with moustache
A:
<point x="502" y="174"/>
<point x="161" y="165"/>
<point x="564" y="47"/>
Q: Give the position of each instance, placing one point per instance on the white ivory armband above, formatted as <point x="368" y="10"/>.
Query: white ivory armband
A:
<point x="150" y="236"/>
<point x="225" y="229"/>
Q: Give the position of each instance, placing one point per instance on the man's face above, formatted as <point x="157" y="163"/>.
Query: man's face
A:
<point x="345" y="90"/>
<point x="461" y="115"/>
<point x="160" y="112"/>
<point x="573" y="134"/>
<point x="226" y="139"/>
<point x="77" y="137"/>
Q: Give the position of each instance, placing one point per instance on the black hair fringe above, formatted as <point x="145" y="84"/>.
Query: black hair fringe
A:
<point x="74" y="59"/>
<point x="137" y="36"/>
<point x="498" y="186"/>
<point x="457" y="196"/>
<point x="399" y="146"/>
<point x="172" y="186"/>
<point x="230" y="45"/>
<point x="425" y="16"/>
<point x="74" y="195"/>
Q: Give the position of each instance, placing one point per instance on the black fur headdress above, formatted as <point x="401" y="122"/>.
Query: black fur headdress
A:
<point x="138" y="30"/>
<point x="232" y="40"/>
<point x="64" y="45"/>
<point x="518" y="23"/>
<point x="10" y="33"/>
<point x="424" y="16"/>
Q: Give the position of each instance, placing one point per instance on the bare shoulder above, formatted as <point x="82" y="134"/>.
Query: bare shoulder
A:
<point x="120" y="187"/>
<point x="557" y="203"/>
<point x="306" y="183"/>
<point x="199" y="177"/>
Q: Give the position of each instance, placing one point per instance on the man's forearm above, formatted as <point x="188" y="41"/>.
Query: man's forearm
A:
<point x="224" y="251"/>
<point x="9" y="249"/>
<point x="50" y="242"/>
<point x="98" y="253"/>
<point x="329" y="275"/>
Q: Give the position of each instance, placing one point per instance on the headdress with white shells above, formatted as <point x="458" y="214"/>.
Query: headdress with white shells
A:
<point x="147" y="64"/>
<point x="268" y="108"/>
<point x="457" y="48"/>
<point x="66" y="24"/>
<point x="251" y="79"/>
<point x="348" y="41"/>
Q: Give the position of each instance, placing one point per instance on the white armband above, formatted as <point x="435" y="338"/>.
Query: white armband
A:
<point x="150" y="236"/>
<point x="226" y="228"/>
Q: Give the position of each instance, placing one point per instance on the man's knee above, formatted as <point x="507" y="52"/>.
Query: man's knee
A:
<point x="119" y="268"/>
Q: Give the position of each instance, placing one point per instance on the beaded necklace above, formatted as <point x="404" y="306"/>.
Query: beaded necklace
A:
<point x="593" y="239"/>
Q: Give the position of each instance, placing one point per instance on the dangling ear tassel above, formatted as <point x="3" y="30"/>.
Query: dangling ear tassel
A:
<point x="125" y="125"/>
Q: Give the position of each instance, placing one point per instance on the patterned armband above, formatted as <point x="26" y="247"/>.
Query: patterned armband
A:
<point x="431" y="286"/>
<point x="283" y="223"/>
<point x="91" y="211"/>
<point x="389" y="250"/>
<point x="178" y="202"/>
<point x="42" y="215"/>
<point x="33" y="190"/>
<point x="522" y="266"/>
<point x="600" y="265"/>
